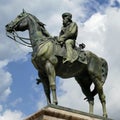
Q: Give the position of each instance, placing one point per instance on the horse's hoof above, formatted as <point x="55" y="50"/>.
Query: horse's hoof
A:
<point x="105" y="115"/>
<point x="55" y="102"/>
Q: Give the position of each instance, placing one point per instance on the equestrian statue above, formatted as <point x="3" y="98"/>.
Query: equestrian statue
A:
<point x="59" y="56"/>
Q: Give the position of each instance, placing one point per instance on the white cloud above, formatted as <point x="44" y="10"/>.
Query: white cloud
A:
<point x="1" y="108"/>
<point x="71" y="95"/>
<point x="16" y="102"/>
<point x="11" y="115"/>
<point x="112" y="51"/>
<point x="5" y="82"/>
<point x="12" y="51"/>
<point x="9" y="54"/>
<point x="40" y="104"/>
<point x="112" y="1"/>
<point x="92" y="33"/>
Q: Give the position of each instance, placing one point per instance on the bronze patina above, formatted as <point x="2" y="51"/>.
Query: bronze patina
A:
<point x="68" y="35"/>
<point x="49" y="54"/>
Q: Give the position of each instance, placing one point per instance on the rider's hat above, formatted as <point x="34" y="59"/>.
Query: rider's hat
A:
<point x="67" y="14"/>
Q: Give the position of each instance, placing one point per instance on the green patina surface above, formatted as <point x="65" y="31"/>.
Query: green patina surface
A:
<point x="58" y="56"/>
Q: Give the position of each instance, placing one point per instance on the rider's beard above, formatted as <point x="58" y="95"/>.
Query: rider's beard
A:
<point x="66" y="23"/>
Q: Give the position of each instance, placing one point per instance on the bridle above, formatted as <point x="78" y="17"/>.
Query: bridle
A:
<point x="21" y="40"/>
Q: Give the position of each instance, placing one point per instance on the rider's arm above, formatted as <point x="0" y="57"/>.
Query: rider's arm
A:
<point x="71" y="31"/>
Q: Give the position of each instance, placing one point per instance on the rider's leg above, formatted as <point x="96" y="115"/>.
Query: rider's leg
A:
<point x="69" y="46"/>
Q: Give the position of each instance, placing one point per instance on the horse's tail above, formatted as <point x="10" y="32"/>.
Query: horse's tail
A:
<point x="104" y="69"/>
<point x="104" y="73"/>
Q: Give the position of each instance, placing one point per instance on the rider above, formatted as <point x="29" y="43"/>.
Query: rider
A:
<point x="68" y="35"/>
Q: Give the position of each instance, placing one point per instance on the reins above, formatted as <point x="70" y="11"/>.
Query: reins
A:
<point x="14" y="35"/>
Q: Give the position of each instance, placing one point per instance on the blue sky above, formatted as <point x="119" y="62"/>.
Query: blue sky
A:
<point x="99" y="27"/>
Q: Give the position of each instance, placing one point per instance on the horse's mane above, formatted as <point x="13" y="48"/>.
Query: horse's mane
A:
<point x="37" y="20"/>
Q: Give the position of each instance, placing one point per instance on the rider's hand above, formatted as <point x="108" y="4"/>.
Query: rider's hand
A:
<point x="61" y="39"/>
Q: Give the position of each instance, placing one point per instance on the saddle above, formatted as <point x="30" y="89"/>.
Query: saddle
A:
<point x="78" y="53"/>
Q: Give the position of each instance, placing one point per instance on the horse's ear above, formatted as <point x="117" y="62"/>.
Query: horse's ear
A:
<point x="24" y="11"/>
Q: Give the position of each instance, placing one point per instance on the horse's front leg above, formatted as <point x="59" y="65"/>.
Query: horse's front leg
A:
<point x="46" y="86"/>
<point x="50" y="70"/>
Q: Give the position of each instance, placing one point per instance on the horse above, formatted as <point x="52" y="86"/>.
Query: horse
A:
<point x="49" y="64"/>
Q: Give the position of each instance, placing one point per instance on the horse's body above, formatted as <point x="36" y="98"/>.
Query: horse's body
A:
<point x="49" y="65"/>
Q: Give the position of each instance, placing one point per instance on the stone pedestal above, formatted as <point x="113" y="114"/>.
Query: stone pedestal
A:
<point x="53" y="112"/>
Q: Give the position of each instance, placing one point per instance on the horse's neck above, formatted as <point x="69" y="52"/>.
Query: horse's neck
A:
<point x="34" y="33"/>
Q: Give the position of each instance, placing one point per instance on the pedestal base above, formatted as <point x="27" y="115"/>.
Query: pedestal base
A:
<point x="53" y="112"/>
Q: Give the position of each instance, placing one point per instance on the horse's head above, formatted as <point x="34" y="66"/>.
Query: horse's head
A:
<point x="18" y="24"/>
<point x="27" y="21"/>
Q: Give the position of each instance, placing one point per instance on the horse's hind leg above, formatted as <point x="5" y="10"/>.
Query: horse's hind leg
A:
<point x="50" y="70"/>
<point x="85" y="86"/>
<point x="46" y="86"/>
<point x="103" y="101"/>
<point x="99" y="88"/>
<point x="89" y="97"/>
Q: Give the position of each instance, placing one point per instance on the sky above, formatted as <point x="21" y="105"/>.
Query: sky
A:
<point x="98" y="24"/>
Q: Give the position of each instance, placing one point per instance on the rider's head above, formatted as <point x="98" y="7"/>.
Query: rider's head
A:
<point x="67" y="15"/>
<point x="67" y="18"/>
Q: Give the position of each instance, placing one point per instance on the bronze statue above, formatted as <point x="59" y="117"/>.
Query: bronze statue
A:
<point x="68" y="35"/>
<point x="48" y="55"/>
